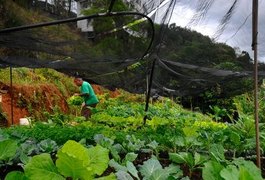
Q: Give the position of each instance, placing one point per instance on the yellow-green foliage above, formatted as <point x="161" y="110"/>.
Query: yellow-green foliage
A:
<point x="26" y="76"/>
<point x="75" y="100"/>
<point x="210" y="125"/>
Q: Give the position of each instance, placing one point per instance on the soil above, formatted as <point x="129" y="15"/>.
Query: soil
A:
<point x="34" y="99"/>
<point x="8" y="168"/>
<point x="99" y="90"/>
<point x="30" y="99"/>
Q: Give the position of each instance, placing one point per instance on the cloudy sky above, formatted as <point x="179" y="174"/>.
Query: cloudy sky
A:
<point x="238" y="31"/>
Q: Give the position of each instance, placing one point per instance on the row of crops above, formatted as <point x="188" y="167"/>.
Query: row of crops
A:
<point x="113" y="144"/>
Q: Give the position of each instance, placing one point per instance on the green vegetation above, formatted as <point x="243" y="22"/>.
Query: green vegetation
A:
<point x="175" y="143"/>
<point x="191" y="140"/>
<point x="201" y="143"/>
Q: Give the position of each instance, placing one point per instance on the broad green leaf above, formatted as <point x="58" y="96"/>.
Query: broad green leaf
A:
<point x="199" y="159"/>
<point x="73" y="161"/>
<point x="24" y="158"/>
<point x="192" y="141"/>
<point x="103" y="141"/>
<point x="119" y="148"/>
<point x="99" y="157"/>
<point x="230" y="173"/>
<point x="48" y="146"/>
<point x="149" y="167"/>
<point x="182" y="157"/>
<point x="41" y="167"/>
<point x="28" y="147"/>
<point x="217" y="152"/>
<point x="174" y="171"/>
<point x="130" y="157"/>
<point x="132" y="169"/>
<point x="72" y="167"/>
<point x="235" y="138"/>
<point x="114" y="153"/>
<point x="75" y="150"/>
<point x="245" y="175"/>
<point x="117" y="166"/>
<point x="179" y="140"/>
<point x="159" y="174"/>
<point x="178" y="158"/>
<point x="122" y="175"/>
<point x="152" y="144"/>
<point x="8" y="149"/>
<point x="250" y="170"/>
<point x="16" y="175"/>
<point x="109" y="177"/>
<point x="212" y="170"/>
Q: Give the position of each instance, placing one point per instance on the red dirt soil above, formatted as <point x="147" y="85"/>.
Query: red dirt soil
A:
<point x="43" y="97"/>
<point x="99" y="90"/>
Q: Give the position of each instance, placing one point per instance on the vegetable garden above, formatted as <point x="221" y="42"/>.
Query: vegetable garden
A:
<point x="113" y="144"/>
<point x="131" y="136"/>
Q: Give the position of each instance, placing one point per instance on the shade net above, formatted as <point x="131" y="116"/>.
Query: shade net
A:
<point x="119" y="51"/>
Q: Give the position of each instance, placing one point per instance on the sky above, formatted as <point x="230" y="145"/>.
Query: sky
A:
<point x="238" y="31"/>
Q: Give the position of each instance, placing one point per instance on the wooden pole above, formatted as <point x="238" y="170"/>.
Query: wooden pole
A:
<point x="254" y="48"/>
<point x="11" y="95"/>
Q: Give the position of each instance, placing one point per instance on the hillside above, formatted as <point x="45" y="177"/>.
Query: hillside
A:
<point x="36" y="92"/>
<point x="189" y="66"/>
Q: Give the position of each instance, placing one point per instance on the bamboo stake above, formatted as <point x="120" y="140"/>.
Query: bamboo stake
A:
<point x="254" y="48"/>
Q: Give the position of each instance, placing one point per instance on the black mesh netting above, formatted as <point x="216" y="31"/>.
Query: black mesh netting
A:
<point x="119" y="49"/>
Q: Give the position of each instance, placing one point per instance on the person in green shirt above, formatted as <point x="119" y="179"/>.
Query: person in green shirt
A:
<point x="89" y="96"/>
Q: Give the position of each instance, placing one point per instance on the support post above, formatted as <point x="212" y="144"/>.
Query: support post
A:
<point x="149" y="91"/>
<point x="254" y="48"/>
<point x="11" y="95"/>
<point x="111" y="6"/>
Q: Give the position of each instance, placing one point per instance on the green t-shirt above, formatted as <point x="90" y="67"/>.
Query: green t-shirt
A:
<point x="87" y="88"/>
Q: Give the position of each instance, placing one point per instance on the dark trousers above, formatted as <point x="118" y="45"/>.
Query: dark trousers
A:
<point x="86" y="111"/>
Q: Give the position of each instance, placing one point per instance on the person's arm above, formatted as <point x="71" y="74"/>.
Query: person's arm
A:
<point x="81" y="94"/>
<point x="84" y="94"/>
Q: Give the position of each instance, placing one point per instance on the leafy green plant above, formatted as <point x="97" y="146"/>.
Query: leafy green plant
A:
<point x="48" y="146"/>
<point x="42" y="166"/>
<point x="115" y="149"/>
<point x="75" y="100"/>
<point x="57" y="116"/>
<point x="237" y="169"/>
<point x="76" y="161"/>
<point x="218" y="113"/>
<point x="73" y="160"/>
<point x="220" y="168"/>
<point x="152" y="169"/>
<point x="192" y="161"/>
<point x="16" y="175"/>
<point x="153" y="145"/>
<point x="126" y="166"/>
<point x="132" y="144"/>
<point x="8" y="148"/>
